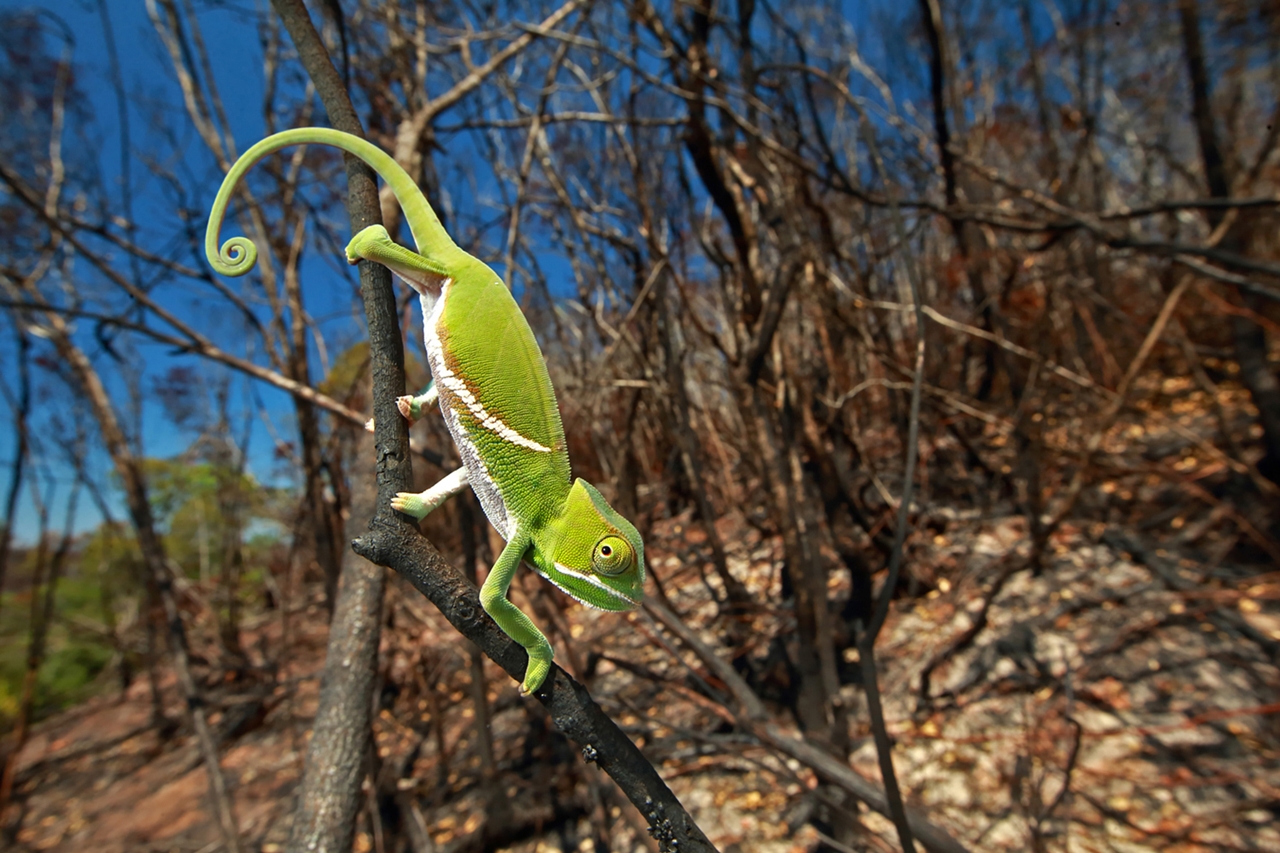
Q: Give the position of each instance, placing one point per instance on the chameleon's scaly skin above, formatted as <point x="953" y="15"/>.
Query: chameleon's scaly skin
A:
<point x="497" y="401"/>
<point x="520" y="446"/>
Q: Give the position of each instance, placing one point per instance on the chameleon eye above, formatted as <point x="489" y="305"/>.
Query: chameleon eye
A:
<point x="612" y="556"/>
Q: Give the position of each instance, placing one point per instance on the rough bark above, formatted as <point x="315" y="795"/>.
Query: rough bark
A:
<point x="329" y="798"/>
<point x="572" y="709"/>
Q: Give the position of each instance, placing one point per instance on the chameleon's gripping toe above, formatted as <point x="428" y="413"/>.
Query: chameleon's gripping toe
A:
<point x="411" y="407"/>
<point x="405" y="405"/>
<point x="412" y="503"/>
<point x="362" y="244"/>
<point x="420" y="504"/>
<point x="535" y="674"/>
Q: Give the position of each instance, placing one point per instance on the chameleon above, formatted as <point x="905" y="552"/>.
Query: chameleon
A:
<point x="491" y="383"/>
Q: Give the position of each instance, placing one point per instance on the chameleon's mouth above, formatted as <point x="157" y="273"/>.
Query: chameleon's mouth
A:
<point x="626" y="601"/>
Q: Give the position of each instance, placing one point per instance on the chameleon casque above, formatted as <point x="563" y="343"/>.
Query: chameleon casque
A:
<point x="498" y="404"/>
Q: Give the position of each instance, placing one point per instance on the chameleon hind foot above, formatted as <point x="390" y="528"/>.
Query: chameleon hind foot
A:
<point x="420" y="504"/>
<point x="373" y="243"/>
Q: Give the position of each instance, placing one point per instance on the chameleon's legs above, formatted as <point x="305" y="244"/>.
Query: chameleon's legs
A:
<point x="375" y="244"/>
<point x="517" y="626"/>
<point x="421" y="503"/>
<point x="411" y="407"/>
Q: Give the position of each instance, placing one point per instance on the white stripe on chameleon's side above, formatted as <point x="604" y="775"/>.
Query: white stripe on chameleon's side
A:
<point x="482" y="482"/>
<point x="597" y="583"/>
<point x="458" y="386"/>
<point x="492" y="423"/>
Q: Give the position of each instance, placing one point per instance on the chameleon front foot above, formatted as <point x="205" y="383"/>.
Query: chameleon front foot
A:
<point x="514" y="623"/>
<point x="535" y="674"/>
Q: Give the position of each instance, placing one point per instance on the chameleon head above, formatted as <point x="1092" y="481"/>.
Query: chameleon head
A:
<point x="592" y="553"/>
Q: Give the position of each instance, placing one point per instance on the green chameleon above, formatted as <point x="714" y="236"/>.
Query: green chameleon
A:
<point x="496" y="397"/>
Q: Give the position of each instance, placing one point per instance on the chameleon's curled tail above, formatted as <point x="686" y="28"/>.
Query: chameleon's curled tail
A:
<point x="238" y="255"/>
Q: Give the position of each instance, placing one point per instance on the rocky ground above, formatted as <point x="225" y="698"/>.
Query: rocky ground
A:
<point x="1125" y="698"/>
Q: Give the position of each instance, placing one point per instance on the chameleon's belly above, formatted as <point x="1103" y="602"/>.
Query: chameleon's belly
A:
<point x="482" y="482"/>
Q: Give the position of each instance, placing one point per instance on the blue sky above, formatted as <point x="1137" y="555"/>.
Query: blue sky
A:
<point x="230" y="32"/>
<point x="148" y="83"/>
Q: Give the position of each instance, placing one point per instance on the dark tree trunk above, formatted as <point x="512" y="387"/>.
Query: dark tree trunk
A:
<point x="1249" y="337"/>
<point x="329" y="795"/>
